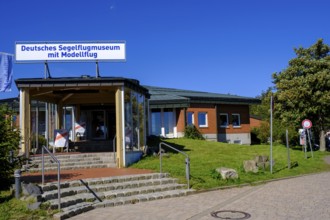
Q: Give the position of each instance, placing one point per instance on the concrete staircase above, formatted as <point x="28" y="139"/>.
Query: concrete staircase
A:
<point x="70" y="161"/>
<point x="83" y="195"/>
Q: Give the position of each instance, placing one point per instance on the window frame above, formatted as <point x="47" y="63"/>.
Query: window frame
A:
<point x="192" y="117"/>
<point x="239" y="120"/>
<point x="227" y="116"/>
<point x="205" y="118"/>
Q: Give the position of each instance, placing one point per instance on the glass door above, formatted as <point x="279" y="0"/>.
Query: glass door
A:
<point x="99" y="129"/>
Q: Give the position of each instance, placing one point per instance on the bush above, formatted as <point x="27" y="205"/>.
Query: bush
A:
<point x="279" y="133"/>
<point x="192" y="132"/>
<point x="9" y="141"/>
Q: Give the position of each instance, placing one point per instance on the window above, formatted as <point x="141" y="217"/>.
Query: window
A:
<point x="156" y="123"/>
<point x="223" y="120"/>
<point x="190" y="118"/>
<point x="236" y="120"/>
<point x="202" y="119"/>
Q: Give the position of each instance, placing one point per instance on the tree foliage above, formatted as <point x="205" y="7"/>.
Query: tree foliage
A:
<point x="303" y="89"/>
<point x="9" y="141"/>
<point x="279" y="128"/>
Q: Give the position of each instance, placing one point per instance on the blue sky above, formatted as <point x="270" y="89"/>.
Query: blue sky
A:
<point x="221" y="46"/>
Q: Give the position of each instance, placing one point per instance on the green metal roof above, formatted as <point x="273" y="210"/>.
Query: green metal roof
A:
<point x="159" y="97"/>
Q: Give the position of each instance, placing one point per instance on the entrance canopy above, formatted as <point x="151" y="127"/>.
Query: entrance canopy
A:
<point x="72" y="90"/>
<point x="114" y="105"/>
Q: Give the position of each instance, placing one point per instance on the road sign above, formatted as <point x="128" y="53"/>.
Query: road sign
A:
<point x="306" y="124"/>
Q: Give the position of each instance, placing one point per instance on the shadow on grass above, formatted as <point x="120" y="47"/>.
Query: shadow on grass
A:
<point x="154" y="141"/>
<point x="6" y="198"/>
<point x="292" y="165"/>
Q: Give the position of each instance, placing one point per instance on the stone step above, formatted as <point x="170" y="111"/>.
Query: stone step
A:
<point x="77" y="167"/>
<point x="72" y="161"/>
<point x="79" y="196"/>
<point x="104" y="180"/>
<point x="79" y="208"/>
<point x="112" y="195"/>
<point x="111" y="191"/>
<point x="107" y="187"/>
<point x="73" y="156"/>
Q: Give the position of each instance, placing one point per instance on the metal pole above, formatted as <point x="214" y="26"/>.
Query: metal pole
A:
<point x="305" y="144"/>
<point x="17" y="175"/>
<point x="188" y="171"/>
<point x="160" y="158"/>
<point x="42" y="166"/>
<point x="287" y="146"/>
<point x="310" y="143"/>
<point x="271" y="134"/>
<point x="97" y="70"/>
<point x="37" y="126"/>
<point x="58" y="185"/>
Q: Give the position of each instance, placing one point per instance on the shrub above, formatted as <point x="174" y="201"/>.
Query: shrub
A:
<point x="9" y="141"/>
<point x="192" y="132"/>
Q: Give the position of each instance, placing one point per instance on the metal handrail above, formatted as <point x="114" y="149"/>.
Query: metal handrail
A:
<point x="58" y="172"/>
<point x="114" y="148"/>
<point x="187" y="160"/>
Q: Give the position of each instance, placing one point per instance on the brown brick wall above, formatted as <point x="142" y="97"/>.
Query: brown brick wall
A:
<point x="243" y="110"/>
<point x="211" y="117"/>
<point x="255" y="123"/>
<point x="214" y="117"/>
<point x="180" y="117"/>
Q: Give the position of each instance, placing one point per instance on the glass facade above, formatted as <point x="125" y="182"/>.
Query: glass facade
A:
<point x="135" y="131"/>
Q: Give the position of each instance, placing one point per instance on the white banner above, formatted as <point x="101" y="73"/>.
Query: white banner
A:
<point x="80" y="51"/>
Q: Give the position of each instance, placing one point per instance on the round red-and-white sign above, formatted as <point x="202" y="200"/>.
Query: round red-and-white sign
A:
<point x="306" y="123"/>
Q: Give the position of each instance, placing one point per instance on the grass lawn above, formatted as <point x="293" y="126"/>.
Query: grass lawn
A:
<point x="206" y="156"/>
<point x="14" y="209"/>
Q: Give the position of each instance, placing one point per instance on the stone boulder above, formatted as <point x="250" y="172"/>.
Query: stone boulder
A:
<point x="227" y="173"/>
<point x="31" y="189"/>
<point x="262" y="162"/>
<point x="250" y="166"/>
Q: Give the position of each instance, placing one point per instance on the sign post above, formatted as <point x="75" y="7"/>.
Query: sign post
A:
<point x="307" y="124"/>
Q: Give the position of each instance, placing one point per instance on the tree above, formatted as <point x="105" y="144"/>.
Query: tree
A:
<point x="9" y="141"/>
<point x="279" y="128"/>
<point x="303" y="89"/>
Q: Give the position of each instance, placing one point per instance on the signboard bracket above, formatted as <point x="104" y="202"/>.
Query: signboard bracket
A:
<point x="97" y="70"/>
<point x="47" y="72"/>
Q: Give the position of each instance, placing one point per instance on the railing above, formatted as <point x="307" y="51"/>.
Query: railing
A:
<point x="114" y="148"/>
<point x="187" y="160"/>
<point x="58" y="172"/>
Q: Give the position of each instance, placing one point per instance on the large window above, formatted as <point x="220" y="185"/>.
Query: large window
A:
<point x="202" y="119"/>
<point x="236" y="120"/>
<point x="134" y="120"/>
<point x="156" y="122"/>
<point x="163" y="122"/>
<point x="190" y="118"/>
<point x="223" y="120"/>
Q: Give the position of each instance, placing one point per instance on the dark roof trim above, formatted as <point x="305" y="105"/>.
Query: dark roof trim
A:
<point x="168" y="95"/>
<point x="84" y="81"/>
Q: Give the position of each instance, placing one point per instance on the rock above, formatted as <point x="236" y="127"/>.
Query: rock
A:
<point x="227" y="173"/>
<point x="261" y="159"/>
<point x="31" y="189"/>
<point x="250" y="166"/>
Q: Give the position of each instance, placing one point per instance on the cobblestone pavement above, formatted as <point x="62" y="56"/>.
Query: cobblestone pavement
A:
<point x="306" y="197"/>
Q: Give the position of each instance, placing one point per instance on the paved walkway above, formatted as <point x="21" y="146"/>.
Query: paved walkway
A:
<point x="306" y="197"/>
